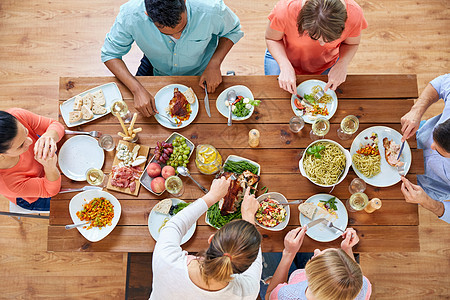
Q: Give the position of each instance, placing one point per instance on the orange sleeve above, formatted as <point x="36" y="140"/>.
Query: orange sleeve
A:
<point x="39" y="124"/>
<point x="33" y="187"/>
<point x="278" y="16"/>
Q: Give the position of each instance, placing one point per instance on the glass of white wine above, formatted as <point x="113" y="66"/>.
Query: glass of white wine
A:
<point x="349" y="125"/>
<point x="320" y="128"/>
<point x="119" y="107"/>
<point x="174" y="186"/>
<point x="95" y="176"/>
<point x="357" y="202"/>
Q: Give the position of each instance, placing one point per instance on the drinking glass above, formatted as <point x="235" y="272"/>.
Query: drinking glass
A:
<point x="106" y="142"/>
<point x="296" y="124"/>
<point x="320" y="128"/>
<point x="349" y="125"/>
<point x="174" y="185"/>
<point x="119" y="107"/>
<point x="95" y="176"/>
<point x="357" y="202"/>
<point x="357" y="186"/>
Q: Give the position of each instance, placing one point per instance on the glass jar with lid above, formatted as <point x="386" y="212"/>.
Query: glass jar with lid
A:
<point x="207" y="159"/>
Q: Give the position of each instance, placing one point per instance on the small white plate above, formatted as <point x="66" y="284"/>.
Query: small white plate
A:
<point x="94" y="234"/>
<point x="111" y="92"/>
<point x="162" y="99"/>
<point x="78" y="154"/>
<point x="155" y="220"/>
<point x="240" y="90"/>
<point x="280" y="199"/>
<point x="389" y="174"/>
<point x="306" y="88"/>
<point x="321" y="232"/>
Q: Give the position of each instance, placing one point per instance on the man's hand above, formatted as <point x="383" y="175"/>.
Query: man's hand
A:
<point x="144" y="102"/>
<point x="336" y="76"/>
<point x="410" y="123"/>
<point x="249" y="207"/>
<point x="211" y="76"/>
<point x="414" y="193"/>
<point x="45" y="147"/>
<point x="294" y="240"/>
<point x="287" y="79"/>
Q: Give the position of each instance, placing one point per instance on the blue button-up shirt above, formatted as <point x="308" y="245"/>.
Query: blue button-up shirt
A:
<point x="436" y="180"/>
<point x="207" y="22"/>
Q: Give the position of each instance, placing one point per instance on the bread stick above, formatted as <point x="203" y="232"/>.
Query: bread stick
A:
<point x="133" y="120"/>
<point x="136" y="130"/>
<point x="122" y="134"/>
<point x="122" y="124"/>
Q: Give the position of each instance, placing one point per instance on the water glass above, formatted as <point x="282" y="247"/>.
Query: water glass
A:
<point x="357" y="186"/>
<point x="106" y="142"/>
<point x="296" y="124"/>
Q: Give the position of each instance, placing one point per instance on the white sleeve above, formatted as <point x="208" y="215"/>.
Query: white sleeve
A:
<point x="249" y="280"/>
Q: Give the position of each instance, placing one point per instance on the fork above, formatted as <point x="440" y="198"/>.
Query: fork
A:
<point x="330" y="225"/>
<point x="401" y="170"/>
<point x="319" y="94"/>
<point x="170" y="120"/>
<point x="94" y="133"/>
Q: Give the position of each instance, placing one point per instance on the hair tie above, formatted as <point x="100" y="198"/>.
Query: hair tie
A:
<point x="227" y="254"/>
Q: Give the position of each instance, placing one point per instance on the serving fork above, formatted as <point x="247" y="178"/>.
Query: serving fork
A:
<point x="94" y="133"/>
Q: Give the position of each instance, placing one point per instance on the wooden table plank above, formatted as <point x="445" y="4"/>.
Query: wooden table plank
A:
<point x="136" y="212"/>
<point x="355" y="86"/>
<point x="138" y="239"/>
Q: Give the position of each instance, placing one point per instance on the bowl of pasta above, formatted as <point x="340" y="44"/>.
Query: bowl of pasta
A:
<point x="325" y="163"/>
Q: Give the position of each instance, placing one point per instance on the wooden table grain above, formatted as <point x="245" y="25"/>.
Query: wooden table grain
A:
<point x="374" y="99"/>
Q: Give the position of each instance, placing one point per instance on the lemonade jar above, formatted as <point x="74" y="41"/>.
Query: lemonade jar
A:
<point x="208" y="159"/>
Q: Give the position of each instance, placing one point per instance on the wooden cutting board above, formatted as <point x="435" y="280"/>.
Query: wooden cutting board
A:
<point x="143" y="151"/>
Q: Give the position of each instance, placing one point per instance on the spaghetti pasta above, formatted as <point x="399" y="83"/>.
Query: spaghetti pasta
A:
<point x="368" y="165"/>
<point x="325" y="98"/>
<point x="327" y="169"/>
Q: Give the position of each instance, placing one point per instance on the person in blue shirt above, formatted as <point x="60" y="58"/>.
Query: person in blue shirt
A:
<point x="178" y="37"/>
<point x="433" y="189"/>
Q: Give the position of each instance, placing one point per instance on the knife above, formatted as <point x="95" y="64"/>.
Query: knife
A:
<point x="85" y="188"/>
<point x="207" y="100"/>
<point x="401" y="150"/>
<point x="314" y="223"/>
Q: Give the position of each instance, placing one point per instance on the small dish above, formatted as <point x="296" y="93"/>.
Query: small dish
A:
<point x="280" y="199"/>
<point x="241" y="90"/>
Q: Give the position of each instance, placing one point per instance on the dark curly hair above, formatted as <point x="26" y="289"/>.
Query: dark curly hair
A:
<point x="8" y="130"/>
<point x="166" y="13"/>
<point x="441" y="135"/>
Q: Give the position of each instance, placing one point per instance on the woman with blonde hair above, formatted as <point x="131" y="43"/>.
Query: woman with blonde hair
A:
<point x="229" y="269"/>
<point x="331" y="274"/>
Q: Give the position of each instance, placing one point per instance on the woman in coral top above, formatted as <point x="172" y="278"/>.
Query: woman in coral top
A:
<point x="28" y="172"/>
<point x="312" y="37"/>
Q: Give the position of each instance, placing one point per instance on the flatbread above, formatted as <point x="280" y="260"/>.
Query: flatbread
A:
<point x="98" y="109"/>
<point x="307" y="209"/>
<point x="74" y="116"/>
<point x="190" y="95"/>
<point x="163" y="206"/>
<point x="86" y="112"/>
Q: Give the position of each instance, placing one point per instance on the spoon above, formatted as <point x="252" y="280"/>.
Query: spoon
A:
<point x="71" y="226"/>
<point x="185" y="172"/>
<point x="231" y="96"/>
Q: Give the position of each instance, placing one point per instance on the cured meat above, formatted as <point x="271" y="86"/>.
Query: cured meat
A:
<point x="391" y="150"/>
<point x="124" y="177"/>
<point x="178" y="105"/>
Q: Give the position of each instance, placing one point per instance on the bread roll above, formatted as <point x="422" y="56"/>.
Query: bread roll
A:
<point x="74" y="116"/>
<point x="86" y="112"/>
<point x="88" y="100"/>
<point x="99" y="97"/>
<point x="77" y="103"/>
<point x="98" y="109"/>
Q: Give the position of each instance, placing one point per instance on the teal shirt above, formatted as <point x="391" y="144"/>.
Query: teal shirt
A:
<point x="207" y="22"/>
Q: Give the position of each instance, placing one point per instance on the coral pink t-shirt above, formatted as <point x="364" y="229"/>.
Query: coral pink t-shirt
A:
<point x="306" y="55"/>
<point x="27" y="179"/>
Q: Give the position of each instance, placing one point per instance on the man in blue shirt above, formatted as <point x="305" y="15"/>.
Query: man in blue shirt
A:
<point x="178" y="37"/>
<point x="433" y="191"/>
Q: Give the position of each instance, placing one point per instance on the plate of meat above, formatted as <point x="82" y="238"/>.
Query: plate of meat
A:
<point x="374" y="154"/>
<point x="177" y="102"/>
<point x="227" y="209"/>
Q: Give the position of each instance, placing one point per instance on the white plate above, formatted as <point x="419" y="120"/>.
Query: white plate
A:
<point x="78" y="154"/>
<point x="94" y="234"/>
<point x="321" y="232"/>
<point x="111" y="92"/>
<point x="388" y="175"/>
<point x="348" y="162"/>
<point x="146" y="180"/>
<point x="162" y="99"/>
<point x="236" y="158"/>
<point x="280" y="199"/>
<point x="306" y="88"/>
<point x="240" y="90"/>
<point x="155" y="221"/>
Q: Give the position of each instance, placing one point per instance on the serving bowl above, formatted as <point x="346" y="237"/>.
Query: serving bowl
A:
<point x="348" y="162"/>
<point x="280" y="199"/>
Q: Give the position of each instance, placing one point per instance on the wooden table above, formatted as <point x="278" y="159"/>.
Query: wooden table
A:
<point x="375" y="99"/>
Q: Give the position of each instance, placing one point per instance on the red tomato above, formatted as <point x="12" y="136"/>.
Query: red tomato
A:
<point x="298" y="104"/>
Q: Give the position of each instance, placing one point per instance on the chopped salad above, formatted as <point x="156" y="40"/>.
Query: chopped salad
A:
<point x="270" y="213"/>
<point x="241" y="106"/>
<point x="99" y="211"/>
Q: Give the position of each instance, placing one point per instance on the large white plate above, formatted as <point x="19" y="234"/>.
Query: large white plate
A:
<point x="78" y="154"/>
<point x="306" y="88"/>
<point x="111" y="92"/>
<point x="162" y="99"/>
<point x="280" y="199"/>
<point x="321" y="232"/>
<point x="155" y="221"/>
<point x="94" y="234"/>
<point x="240" y="90"/>
<point x="388" y="175"/>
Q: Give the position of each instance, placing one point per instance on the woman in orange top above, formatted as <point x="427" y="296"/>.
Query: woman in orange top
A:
<point x="312" y="37"/>
<point x="28" y="172"/>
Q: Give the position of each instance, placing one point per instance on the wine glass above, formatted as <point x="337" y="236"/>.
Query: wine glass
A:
<point x="95" y="176"/>
<point x="349" y="125"/>
<point x="174" y="185"/>
<point x="296" y="124"/>
<point x="119" y="107"/>
<point x="320" y="128"/>
<point x="357" y="202"/>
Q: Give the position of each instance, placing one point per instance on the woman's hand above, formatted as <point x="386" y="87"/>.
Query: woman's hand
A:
<point x="294" y="240"/>
<point x="350" y="239"/>
<point x="48" y="163"/>
<point x="218" y="190"/>
<point x="249" y="207"/>
<point x="45" y="147"/>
